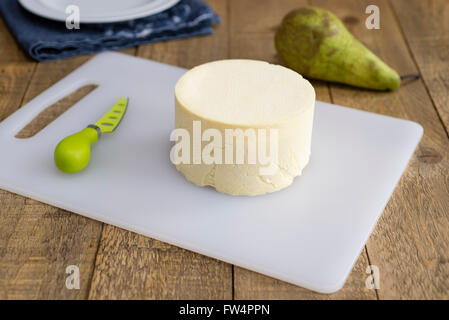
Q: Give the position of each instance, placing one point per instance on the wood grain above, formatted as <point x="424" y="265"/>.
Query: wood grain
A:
<point x="49" y="239"/>
<point x="251" y="36"/>
<point x="133" y="266"/>
<point x="425" y="25"/>
<point x="251" y="285"/>
<point x="254" y="39"/>
<point x="38" y="241"/>
<point x="410" y="242"/>
<point x="52" y="112"/>
<point x="10" y="53"/>
<point x="187" y="53"/>
<point x="15" y="73"/>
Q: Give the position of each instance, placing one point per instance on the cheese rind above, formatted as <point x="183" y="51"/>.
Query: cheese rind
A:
<point x="247" y="94"/>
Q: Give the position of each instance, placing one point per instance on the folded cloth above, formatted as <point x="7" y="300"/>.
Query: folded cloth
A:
<point x="45" y="39"/>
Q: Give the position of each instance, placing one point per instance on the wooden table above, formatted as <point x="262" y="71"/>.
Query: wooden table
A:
<point x="410" y="244"/>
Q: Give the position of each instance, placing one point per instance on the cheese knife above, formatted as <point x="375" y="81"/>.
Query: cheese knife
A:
<point x="72" y="154"/>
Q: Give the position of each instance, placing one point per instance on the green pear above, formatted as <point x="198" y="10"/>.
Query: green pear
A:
<point x="315" y="43"/>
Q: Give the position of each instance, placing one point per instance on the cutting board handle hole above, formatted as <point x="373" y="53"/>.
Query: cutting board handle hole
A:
<point x="51" y="113"/>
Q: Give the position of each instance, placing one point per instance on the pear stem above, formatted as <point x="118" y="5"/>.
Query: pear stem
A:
<point x="411" y="75"/>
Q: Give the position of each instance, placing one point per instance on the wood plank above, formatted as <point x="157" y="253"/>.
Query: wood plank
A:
<point x="252" y="37"/>
<point x="14" y="81"/>
<point x="190" y="52"/>
<point x="40" y="241"/>
<point x="9" y="50"/>
<point x="251" y="285"/>
<point x="410" y="243"/>
<point x="425" y="25"/>
<point x="15" y="73"/>
<point x="37" y="241"/>
<point x="131" y="266"/>
<point x="51" y="113"/>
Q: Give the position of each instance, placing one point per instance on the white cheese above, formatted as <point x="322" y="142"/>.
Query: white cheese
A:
<point x="246" y="94"/>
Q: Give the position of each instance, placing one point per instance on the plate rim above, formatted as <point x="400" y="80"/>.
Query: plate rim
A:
<point x="34" y="7"/>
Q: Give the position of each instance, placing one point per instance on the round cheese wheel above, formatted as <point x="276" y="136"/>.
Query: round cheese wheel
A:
<point x="249" y="125"/>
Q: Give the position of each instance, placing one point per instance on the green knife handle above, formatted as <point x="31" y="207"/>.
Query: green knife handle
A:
<point x="72" y="154"/>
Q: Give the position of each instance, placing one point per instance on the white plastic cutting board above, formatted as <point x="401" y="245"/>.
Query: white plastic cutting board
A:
<point x="309" y="234"/>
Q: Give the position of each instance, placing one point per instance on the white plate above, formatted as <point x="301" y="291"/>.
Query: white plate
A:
<point x="98" y="11"/>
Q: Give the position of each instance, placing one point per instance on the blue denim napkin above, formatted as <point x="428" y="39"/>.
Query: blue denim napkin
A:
<point x="45" y="39"/>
